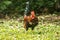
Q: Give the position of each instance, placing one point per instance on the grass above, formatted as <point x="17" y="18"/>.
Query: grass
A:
<point x="13" y="30"/>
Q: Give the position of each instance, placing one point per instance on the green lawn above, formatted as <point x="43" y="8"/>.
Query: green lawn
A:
<point x="13" y="30"/>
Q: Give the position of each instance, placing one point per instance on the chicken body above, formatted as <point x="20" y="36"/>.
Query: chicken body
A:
<point x="30" y="21"/>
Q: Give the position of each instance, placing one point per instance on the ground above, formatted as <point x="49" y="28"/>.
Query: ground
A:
<point x="13" y="30"/>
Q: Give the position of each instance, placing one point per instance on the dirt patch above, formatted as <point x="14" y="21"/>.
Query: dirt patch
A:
<point x="50" y="19"/>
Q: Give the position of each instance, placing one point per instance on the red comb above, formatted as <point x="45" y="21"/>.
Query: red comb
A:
<point x="32" y="12"/>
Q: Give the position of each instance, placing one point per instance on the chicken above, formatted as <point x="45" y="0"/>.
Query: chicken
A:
<point x="30" y="21"/>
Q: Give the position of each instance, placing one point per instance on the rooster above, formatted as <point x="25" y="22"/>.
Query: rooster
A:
<point x="30" y="21"/>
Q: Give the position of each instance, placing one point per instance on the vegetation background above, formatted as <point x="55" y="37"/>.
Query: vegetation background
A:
<point x="11" y="20"/>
